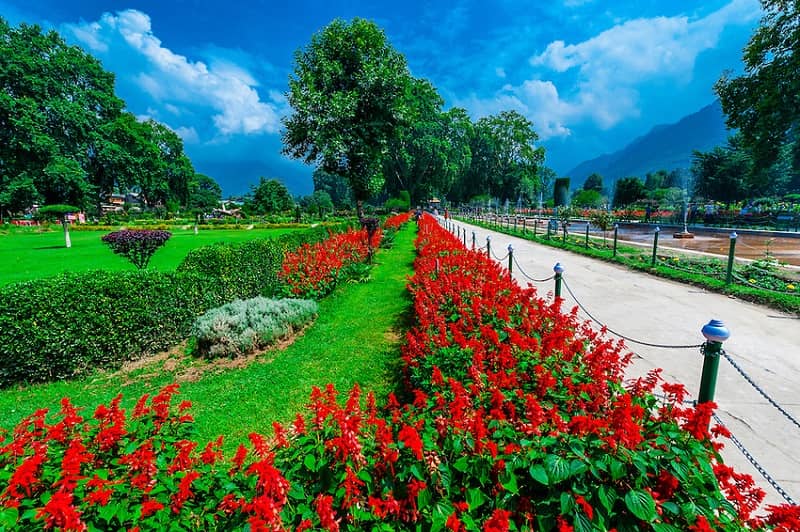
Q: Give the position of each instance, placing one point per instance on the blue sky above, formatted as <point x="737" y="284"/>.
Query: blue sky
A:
<point x="591" y="74"/>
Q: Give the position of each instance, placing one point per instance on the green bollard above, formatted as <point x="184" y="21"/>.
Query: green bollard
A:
<point x="488" y="247"/>
<point x="510" y="259"/>
<point x="524" y="223"/>
<point x="558" y="269"/>
<point x="731" y="254"/>
<point x="715" y="333"/>
<point x="535" y="226"/>
<point x="616" y="232"/>
<point x="515" y="224"/>
<point x="464" y="239"/>
<point x="655" y="246"/>
<point x="473" y="240"/>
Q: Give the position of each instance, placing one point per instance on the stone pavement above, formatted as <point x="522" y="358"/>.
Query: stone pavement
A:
<point x="764" y="342"/>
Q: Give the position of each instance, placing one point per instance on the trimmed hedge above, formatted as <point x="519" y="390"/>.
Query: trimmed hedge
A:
<point x="248" y="269"/>
<point x="66" y="326"/>
<point x="69" y="325"/>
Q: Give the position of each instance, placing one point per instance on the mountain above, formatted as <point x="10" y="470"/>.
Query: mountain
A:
<point x="665" y="147"/>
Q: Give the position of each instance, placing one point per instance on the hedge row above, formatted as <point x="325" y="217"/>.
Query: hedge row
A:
<point x="69" y="325"/>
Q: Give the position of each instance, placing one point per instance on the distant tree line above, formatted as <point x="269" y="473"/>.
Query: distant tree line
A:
<point x="65" y="137"/>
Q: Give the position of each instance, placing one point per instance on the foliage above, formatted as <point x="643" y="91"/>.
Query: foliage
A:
<point x="601" y="219"/>
<point x="72" y="324"/>
<point x="247" y="269"/>
<point x="505" y="161"/>
<point x="65" y="137"/>
<point x="594" y="182"/>
<point x="318" y="203"/>
<point x="430" y="149"/>
<point x="242" y="326"/>
<point x="137" y="245"/>
<point x="345" y="93"/>
<point x="314" y="270"/>
<point x="204" y="193"/>
<point x="627" y="191"/>
<point x="58" y="211"/>
<point x="335" y="186"/>
<point x="270" y="195"/>
<point x="762" y="102"/>
<point x="587" y="198"/>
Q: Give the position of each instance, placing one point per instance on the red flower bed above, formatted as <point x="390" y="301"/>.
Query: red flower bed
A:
<point x="514" y="418"/>
<point x="394" y="222"/>
<point x="312" y="271"/>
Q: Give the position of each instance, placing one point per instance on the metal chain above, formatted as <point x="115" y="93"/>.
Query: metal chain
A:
<point x="500" y="259"/>
<point x="760" y="390"/>
<point x="520" y="270"/>
<point x="759" y="467"/>
<point x="648" y="344"/>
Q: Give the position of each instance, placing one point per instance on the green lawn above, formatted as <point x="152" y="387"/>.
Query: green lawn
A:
<point x="27" y="254"/>
<point x="355" y="339"/>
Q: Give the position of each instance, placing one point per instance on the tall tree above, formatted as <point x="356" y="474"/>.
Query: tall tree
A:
<point x="346" y="97"/>
<point x="628" y="190"/>
<point x="335" y="186"/>
<point x="721" y="174"/>
<point x="270" y="195"/>
<point x="204" y="193"/>
<point x="763" y="103"/>
<point x="594" y="182"/>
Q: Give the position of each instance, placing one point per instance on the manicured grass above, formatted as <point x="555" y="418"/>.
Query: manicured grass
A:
<point x="355" y="339"/>
<point x="28" y="254"/>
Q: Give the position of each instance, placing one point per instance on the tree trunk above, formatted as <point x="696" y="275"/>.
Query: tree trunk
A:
<point x="360" y="209"/>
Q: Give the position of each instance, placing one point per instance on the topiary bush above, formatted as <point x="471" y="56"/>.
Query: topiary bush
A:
<point x="243" y="326"/>
<point x="65" y="326"/>
<point x="137" y="245"/>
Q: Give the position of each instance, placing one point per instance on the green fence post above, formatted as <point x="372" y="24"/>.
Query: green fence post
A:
<point x="515" y="223"/>
<point x="535" y="226"/>
<point x="510" y="259"/>
<point x="558" y="269"/>
<point x="473" y="240"/>
<point x="524" y="223"/>
<point x="488" y="246"/>
<point x="655" y="246"/>
<point x="587" y="236"/>
<point x="616" y="232"/>
<point x="731" y="254"/>
<point x="715" y="333"/>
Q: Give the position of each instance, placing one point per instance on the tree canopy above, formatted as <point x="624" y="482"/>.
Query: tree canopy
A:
<point x="64" y="136"/>
<point x="764" y="102"/>
<point x="346" y="95"/>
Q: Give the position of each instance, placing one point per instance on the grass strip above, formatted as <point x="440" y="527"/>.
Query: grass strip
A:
<point x="355" y="340"/>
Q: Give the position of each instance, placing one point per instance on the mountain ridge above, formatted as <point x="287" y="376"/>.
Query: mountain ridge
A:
<point x="664" y="147"/>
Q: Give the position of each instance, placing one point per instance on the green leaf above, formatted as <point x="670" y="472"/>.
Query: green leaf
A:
<point x="310" y="462"/>
<point x="461" y="464"/>
<point x="8" y="518"/>
<point x="538" y="473"/>
<point x="665" y="527"/>
<point x="567" y="502"/>
<point x="557" y="468"/>
<point x="475" y="498"/>
<point x="641" y="504"/>
<point x="510" y="483"/>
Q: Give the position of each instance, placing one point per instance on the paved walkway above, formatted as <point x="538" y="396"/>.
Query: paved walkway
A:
<point x="764" y="342"/>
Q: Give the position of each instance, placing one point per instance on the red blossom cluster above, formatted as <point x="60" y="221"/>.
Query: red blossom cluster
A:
<point x="313" y="270"/>
<point x="514" y="416"/>
<point x="394" y="222"/>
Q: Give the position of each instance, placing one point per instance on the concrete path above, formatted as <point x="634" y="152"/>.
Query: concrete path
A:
<point x="764" y="342"/>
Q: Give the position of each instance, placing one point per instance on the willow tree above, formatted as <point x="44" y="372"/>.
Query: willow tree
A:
<point x="346" y="96"/>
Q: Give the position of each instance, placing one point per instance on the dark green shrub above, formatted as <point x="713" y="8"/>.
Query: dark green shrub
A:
<point x="243" y="326"/>
<point x="249" y="269"/>
<point x="68" y="325"/>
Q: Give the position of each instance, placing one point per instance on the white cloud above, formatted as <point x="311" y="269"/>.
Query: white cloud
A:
<point x="188" y="134"/>
<point x="607" y="69"/>
<point x="501" y="72"/>
<point x="172" y="79"/>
